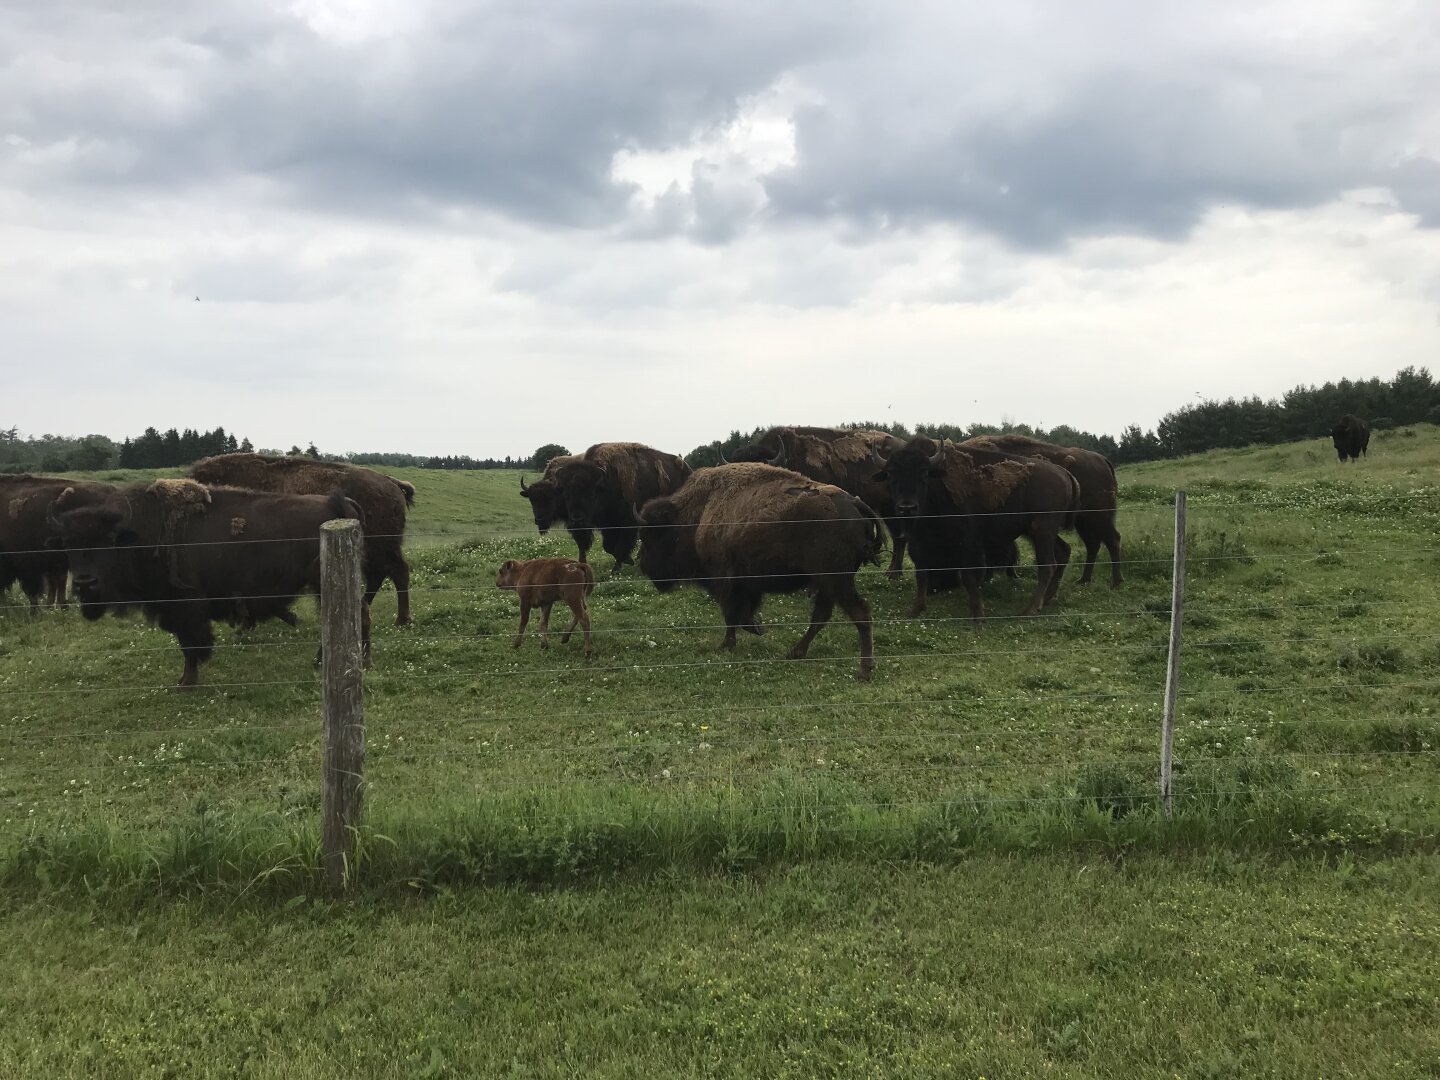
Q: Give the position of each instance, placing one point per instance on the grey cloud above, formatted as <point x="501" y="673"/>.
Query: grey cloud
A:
<point x="508" y="106"/>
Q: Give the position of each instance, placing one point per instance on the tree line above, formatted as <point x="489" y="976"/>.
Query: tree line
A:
<point x="1411" y="396"/>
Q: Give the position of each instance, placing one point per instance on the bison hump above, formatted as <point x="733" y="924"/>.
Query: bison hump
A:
<point x="982" y="487"/>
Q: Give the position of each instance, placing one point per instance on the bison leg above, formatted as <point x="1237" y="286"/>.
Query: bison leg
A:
<point x="1046" y="543"/>
<point x="1091" y="535"/>
<point x="739" y="610"/>
<point x="545" y="624"/>
<point x="898" y="542"/>
<point x="1112" y="546"/>
<point x="195" y="637"/>
<point x="1062" y="560"/>
<point x="820" y="613"/>
<point x="921" y="582"/>
<point x="400" y="574"/>
<point x="854" y="605"/>
<point x="524" y="619"/>
<point x="620" y="543"/>
<point x="583" y="539"/>
<point x="971" y="580"/>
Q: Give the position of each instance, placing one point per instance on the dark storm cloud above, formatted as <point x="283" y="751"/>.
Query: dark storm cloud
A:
<point x="511" y="106"/>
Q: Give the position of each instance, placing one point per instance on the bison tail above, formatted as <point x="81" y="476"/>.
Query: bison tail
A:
<point x="874" y="534"/>
<point x="342" y="507"/>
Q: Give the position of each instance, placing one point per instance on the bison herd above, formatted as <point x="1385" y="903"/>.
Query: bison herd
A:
<point x="803" y="508"/>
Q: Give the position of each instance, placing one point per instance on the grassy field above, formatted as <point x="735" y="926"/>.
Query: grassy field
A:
<point x="752" y="866"/>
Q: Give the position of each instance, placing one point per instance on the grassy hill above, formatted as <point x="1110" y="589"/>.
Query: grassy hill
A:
<point x="710" y="864"/>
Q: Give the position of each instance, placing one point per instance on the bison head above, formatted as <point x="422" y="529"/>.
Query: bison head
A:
<point x="667" y="545"/>
<point x="907" y="473"/>
<point x="585" y="489"/>
<point x="770" y="450"/>
<point x="100" y="550"/>
<point x="546" y="506"/>
<point x="509" y="573"/>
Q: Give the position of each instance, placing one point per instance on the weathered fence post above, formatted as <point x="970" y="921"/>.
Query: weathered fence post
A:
<point x="1172" y="672"/>
<point x="342" y="663"/>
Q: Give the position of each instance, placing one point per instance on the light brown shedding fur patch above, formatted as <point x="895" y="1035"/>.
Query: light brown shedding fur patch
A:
<point x="984" y="487"/>
<point x="237" y="526"/>
<point x="18" y="505"/>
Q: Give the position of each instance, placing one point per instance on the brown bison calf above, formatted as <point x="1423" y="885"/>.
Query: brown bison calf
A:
<point x="540" y="583"/>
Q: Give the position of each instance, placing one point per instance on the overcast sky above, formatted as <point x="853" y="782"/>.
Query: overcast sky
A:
<point x="479" y="227"/>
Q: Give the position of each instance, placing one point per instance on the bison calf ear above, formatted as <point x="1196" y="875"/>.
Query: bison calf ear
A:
<point x="126" y="537"/>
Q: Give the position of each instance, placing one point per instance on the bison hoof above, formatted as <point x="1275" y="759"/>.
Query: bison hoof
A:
<point x="517" y="643"/>
<point x="866" y="670"/>
<point x="184" y="687"/>
<point x="404" y="624"/>
<point x="754" y="628"/>
<point x="797" y="652"/>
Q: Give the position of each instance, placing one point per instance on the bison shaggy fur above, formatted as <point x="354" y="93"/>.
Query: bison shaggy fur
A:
<point x="602" y="489"/>
<point x="744" y="530"/>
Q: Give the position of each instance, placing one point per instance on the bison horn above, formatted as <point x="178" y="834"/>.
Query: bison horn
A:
<point x="523" y="488"/>
<point x="639" y="518"/>
<point x="938" y="457"/>
<point x="721" y="451"/>
<point x="50" y="518"/>
<point x="778" y="459"/>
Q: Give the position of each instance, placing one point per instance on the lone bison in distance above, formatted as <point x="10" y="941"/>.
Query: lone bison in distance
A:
<point x="188" y="555"/>
<point x="1099" y="493"/>
<point x="382" y="500"/>
<point x="838" y="456"/>
<point x="547" y="506"/>
<point x="968" y="505"/>
<point x="541" y="583"/>
<point x="1351" y="437"/>
<point x="741" y="531"/>
<point x="24" y="531"/>
<point x="601" y="490"/>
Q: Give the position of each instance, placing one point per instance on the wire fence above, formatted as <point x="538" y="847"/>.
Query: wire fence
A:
<point x="1028" y="719"/>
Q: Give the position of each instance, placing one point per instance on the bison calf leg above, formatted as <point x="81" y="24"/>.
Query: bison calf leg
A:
<point x="582" y="619"/>
<point x="524" y="620"/>
<point x="820" y="613"/>
<point x="545" y="625"/>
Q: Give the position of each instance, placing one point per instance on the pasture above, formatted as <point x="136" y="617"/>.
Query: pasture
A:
<point x="896" y="843"/>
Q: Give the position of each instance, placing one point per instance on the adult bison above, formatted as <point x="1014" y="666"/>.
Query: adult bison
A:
<point x="1099" y="493"/>
<point x="1351" y="437"/>
<point x="187" y="554"/>
<point x="838" y="456"/>
<point x="547" y="506"/>
<point x="966" y="507"/>
<point x="24" y="504"/>
<point x="382" y="500"/>
<point x="600" y="490"/>
<point x="741" y="531"/>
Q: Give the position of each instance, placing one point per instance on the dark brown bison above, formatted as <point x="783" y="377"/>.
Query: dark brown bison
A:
<point x="187" y="555"/>
<point x="24" y="506"/>
<point x="1351" y="437"/>
<point x="547" y="506"/>
<point x="541" y="583"/>
<point x="382" y="500"/>
<point x="838" y="456"/>
<point x="1099" y="493"/>
<point x="968" y="505"/>
<point x="601" y="490"/>
<point x="741" y="531"/>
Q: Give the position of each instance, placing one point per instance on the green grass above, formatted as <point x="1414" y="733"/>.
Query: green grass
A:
<point x="728" y="849"/>
<point x="999" y="967"/>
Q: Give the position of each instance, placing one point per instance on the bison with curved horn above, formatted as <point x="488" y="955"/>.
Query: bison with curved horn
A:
<point x="742" y="531"/>
<point x="966" y="506"/>
<point x="599" y="489"/>
<point x="1351" y="437"/>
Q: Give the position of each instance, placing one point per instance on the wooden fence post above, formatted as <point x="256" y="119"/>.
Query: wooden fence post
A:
<point x="342" y="664"/>
<point x="1172" y="672"/>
